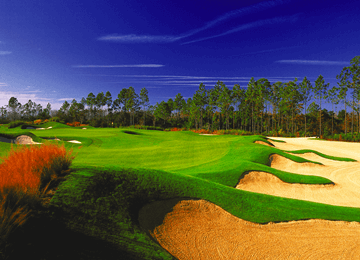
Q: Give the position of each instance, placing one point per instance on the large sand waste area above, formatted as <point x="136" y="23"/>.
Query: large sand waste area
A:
<point x="198" y="229"/>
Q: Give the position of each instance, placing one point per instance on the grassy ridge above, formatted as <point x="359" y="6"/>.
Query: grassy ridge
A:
<point x="322" y="155"/>
<point x="116" y="172"/>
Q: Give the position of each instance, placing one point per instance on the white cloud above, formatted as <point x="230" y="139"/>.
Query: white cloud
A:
<point x="269" y="50"/>
<point x="314" y="62"/>
<point x="120" y="66"/>
<point x="23" y="98"/>
<point x="5" y="52"/>
<point x="243" y="27"/>
<point x="166" y="76"/>
<point x="133" y="38"/>
<point x="67" y="99"/>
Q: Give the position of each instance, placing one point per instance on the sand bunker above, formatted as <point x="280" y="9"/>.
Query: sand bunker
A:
<point x="202" y="230"/>
<point x="345" y="175"/>
<point x="74" y="141"/>
<point x="22" y="139"/>
<point x="261" y="142"/>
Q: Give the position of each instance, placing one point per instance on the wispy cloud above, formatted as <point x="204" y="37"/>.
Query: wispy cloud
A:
<point x="243" y="27"/>
<point x="269" y="50"/>
<point x="313" y="62"/>
<point x="163" y="76"/>
<point x="121" y="66"/>
<point x="3" y="84"/>
<point x="68" y="99"/>
<point x="133" y="38"/>
<point x="176" y="78"/>
<point x="5" y="52"/>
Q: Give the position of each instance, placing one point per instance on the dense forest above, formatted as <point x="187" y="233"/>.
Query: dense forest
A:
<point x="291" y="108"/>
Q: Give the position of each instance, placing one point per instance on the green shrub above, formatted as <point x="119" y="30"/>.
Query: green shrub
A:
<point x="55" y="119"/>
<point x="16" y="123"/>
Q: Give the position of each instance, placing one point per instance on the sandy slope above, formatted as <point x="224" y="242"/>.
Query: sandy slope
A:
<point x="202" y="230"/>
<point x="345" y="175"/>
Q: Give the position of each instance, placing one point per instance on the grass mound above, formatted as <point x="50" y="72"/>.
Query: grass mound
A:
<point x="322" y="155"/>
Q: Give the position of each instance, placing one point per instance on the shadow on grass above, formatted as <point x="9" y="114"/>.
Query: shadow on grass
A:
<point x="153" y="214"/>
<point x="47" y="237"/>
<point x="131" y="133"/>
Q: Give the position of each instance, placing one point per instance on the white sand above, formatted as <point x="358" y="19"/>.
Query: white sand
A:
<point x="74" y="141"/>
<point x="345" y="175"/>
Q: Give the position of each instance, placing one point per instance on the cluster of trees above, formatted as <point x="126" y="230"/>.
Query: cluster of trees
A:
<point x="29" y="111"/>
<point x="290" y="107"/>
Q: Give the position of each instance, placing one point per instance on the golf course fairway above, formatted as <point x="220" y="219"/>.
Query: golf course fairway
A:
<point x="147" y="194"/>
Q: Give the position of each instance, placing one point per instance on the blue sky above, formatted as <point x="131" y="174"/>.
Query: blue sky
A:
<point x="51" y="51"/>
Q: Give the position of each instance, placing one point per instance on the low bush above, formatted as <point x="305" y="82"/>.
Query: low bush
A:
<point x="55" y="119"/>
<point x="16" y="123"/>
<point x="74" y="124"/>
<point x="201" y="131"/>
<point x="146" y="127"/>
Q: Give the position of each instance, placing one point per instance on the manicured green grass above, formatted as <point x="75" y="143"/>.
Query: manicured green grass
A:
<point x="322" y="155"/>
<point x="117" y="171"/>
<point x="273" y="140"/>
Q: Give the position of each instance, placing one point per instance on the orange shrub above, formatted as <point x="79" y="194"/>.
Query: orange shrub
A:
<point x="74" y="124"/>
<point x="23" y="168"/>
<point x="201" y="131"/>
<point x="24" y="176"/>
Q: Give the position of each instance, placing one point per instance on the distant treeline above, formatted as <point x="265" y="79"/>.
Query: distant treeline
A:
<point x="288" y="107"/>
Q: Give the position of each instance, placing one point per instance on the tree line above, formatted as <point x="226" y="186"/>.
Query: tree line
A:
<point x="261" y="107"/>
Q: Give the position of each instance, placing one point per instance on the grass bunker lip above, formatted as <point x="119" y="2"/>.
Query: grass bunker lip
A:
<point x="131" y="133"/>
